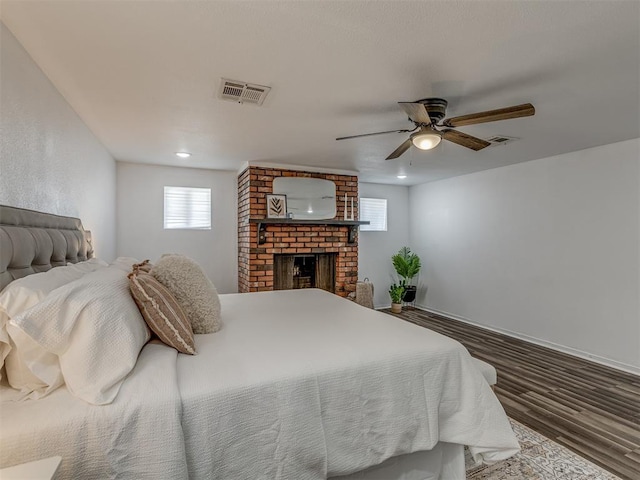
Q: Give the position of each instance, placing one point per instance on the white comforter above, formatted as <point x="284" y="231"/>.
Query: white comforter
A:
<point x="297" y="385"/>
<point x="138" y="436"/>
<point x="306" y="385"/>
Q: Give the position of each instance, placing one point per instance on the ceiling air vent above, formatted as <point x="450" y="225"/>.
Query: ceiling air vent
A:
<point x="241" y="92"/>
<point x="501" y="140"/>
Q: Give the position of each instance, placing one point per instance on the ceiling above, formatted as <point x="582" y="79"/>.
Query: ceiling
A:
<point x="144" y="76"/>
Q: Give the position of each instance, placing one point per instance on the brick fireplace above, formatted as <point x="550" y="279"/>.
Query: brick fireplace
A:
<point x="259" y="242"/>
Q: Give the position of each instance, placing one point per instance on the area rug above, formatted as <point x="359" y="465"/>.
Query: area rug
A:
<point x="539" y="459"/>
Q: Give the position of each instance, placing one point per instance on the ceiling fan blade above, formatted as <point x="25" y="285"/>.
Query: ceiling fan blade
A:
<point x="474" y="143"/>
<point x="400" y="150"/>
<point x="376" y="133"/>
<point x="524" y="110"/>
<point x="417" y="112"/>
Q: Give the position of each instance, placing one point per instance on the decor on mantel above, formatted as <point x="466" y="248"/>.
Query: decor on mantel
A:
<point x="276" y="206"/>
<point x="346" y="207"/>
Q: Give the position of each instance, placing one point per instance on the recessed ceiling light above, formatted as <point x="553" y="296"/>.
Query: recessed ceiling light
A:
<point x="183" y="154"/>
<point x="402" y="176"/>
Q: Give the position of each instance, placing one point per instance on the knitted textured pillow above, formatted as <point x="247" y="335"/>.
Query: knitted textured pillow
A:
<point x="162" y="312"/>
<point x="192" y="289"/>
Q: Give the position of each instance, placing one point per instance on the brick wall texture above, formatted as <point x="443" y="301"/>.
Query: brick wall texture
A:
<point x="255" y="262"/>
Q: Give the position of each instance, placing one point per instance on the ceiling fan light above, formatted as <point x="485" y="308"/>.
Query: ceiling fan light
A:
<point x="426" y="140"/>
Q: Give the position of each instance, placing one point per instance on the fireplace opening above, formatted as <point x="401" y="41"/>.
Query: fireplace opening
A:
<point x="305" y="271"/>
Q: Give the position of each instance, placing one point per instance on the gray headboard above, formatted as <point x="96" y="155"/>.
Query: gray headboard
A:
<point x="32" y="242"/>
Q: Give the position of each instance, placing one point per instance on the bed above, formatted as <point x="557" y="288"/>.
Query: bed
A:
<point x="296" y="385"/>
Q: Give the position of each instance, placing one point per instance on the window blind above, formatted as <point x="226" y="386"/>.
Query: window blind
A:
<point x="187" y="208"/>
<point x="375" y="211"/>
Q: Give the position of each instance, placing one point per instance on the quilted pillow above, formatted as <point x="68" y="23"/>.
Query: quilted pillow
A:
<point x="94" y="328"/>
<point x="192" y="289"/>
<point x="161" y="311"/>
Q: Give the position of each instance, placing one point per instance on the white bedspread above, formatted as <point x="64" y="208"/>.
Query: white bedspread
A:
<point x="305" y="385"/>
<point x="138" y="436"/>
<point x="297" y="385"/>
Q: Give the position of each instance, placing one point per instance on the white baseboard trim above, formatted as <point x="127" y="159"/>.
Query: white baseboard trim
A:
<point x="543" y="343"/>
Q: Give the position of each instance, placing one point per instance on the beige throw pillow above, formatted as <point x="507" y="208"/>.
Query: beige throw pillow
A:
<point x="195" y="293"/>
<point x="162" y="312"/>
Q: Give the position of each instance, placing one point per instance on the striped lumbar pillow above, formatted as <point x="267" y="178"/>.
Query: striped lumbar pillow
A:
<point x="162" y="312"/>
<point x="142" y="267"/>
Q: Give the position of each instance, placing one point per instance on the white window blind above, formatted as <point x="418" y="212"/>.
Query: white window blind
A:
<point x="375" y="211"/>
<point x="187" y="208"/>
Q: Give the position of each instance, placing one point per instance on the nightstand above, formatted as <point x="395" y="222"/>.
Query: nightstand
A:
<point x="43" y="469"/>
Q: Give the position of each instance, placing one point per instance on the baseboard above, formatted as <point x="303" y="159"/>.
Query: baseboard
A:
<point x="543" y="343"/>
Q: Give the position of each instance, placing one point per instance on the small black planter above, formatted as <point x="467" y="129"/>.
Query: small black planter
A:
<point x="409" y="294"/>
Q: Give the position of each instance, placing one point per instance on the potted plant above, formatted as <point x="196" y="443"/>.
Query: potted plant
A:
<point x="407" y="265"/>
<point x="396" y="292"/>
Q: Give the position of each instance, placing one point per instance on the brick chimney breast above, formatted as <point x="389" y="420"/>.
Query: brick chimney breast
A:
<point x="255" y="261"/>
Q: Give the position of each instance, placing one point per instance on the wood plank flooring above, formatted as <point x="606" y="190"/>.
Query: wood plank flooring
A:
<point x="589" y="408"/>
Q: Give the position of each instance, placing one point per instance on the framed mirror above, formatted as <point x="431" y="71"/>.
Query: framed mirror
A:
<point x="307" y="198"/>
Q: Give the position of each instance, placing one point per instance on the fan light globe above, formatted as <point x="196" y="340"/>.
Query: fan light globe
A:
<point x="425" y="140"/>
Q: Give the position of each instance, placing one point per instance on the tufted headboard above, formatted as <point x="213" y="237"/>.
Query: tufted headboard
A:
<point x="32" y="242"/>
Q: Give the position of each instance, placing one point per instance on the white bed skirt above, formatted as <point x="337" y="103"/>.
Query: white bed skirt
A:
<point x="444" y="462"/>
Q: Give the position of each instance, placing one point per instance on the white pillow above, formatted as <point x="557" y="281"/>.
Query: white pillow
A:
<point x="22" y="294"/>
<point x="94" y="327"/>
<point x="25" y="292"/>
<point x="30" y="368"/>
<point x="124" y="263"/>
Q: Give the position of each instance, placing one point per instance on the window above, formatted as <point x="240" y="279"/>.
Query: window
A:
<point x="187" y="208"/>
<point x="375" y="211"/>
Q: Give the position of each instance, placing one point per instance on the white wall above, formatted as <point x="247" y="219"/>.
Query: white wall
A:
<point x="140" y="219"/>
<point x="548" y="249"/>
<point x="49" y="160"/>
<point x="376" y="248"/>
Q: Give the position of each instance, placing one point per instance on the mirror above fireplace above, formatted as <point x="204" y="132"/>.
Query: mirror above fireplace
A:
<point x="307" y="198"/>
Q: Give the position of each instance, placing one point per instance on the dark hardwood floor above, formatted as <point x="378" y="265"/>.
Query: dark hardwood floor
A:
<point x="589" y="408"/>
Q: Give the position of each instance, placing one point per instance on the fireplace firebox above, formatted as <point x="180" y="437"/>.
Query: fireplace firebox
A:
<point x="304" y="271"/>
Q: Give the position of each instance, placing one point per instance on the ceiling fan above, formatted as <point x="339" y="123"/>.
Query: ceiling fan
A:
<point x="427" y="133"/>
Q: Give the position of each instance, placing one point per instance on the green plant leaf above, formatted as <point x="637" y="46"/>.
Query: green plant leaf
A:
<point x="406" y="263"/>
<point x="396" y="292"/>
